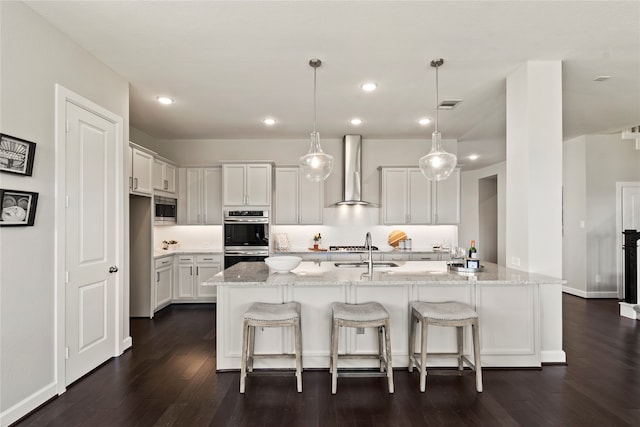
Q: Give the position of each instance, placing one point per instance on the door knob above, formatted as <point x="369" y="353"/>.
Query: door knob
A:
<point x="113" y="269"/>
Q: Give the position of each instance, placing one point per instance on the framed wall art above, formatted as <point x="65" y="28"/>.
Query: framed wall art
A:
<point x="18" y="207"/>
<point x="16" y="155"/>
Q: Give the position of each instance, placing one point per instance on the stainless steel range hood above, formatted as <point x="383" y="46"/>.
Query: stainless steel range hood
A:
<point x="352" y="179"/>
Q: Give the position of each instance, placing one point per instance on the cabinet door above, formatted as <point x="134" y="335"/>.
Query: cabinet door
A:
<point x="170" y="178"/>
<point x="233" y="177"/>
<point x="258" y="185"/>
<point x="311" y="201"/>
<point x="287" y="200"/>
<point x="419" y="198"/>
<point x="142" y="172"/>
<point x="447" y="199"/>
<point x="194" y="194"/>
<point x="184" y="288"/>
<point x="158" y="174"/>
<point x="205" y="271"/>
<point x="164" y="284"/>
<point x="212" y="196"/>
<point x="394" y="196"/>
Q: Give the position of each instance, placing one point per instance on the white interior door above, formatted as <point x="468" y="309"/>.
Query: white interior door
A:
<point x="628" y="215"/>
<point x="90" y="241"/>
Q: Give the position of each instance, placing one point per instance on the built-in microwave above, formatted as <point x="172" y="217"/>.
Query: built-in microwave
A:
<point x="165" y="210"/>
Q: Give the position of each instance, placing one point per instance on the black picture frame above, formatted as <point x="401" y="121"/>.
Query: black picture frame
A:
<point x="16" y="155"/>
<point x="18" y="208"/>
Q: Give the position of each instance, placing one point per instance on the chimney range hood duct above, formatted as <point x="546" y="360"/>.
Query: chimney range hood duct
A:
<point x="352" y="179"/>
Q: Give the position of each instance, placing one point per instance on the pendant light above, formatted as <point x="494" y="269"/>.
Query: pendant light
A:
<point x="316" y="164"/>
<point x="438" y="164"/>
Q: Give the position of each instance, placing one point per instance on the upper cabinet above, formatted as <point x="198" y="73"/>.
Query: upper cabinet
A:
<point x="297" y="200"/>
<point x="200" y="196"/>
<point x="140" y="170"/>
<point x="409" y="198"/>
<point x="164" y="176"/>
<point x="246" y="184"/>
<point x="447" y="199"/>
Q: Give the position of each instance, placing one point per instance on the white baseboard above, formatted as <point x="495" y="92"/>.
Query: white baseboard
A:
<point x="27" y="405"/>
<point x="590" y="294"/>
<point x="126" y="343"/>
<point x="553" y="356"/>
<point x="628" y="310"/>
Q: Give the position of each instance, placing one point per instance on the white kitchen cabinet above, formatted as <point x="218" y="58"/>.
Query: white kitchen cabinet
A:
<point x="297" y="200"/>
<point x="406" y="196"/>
<point x="140" y="170"/>
<point x="447" y="199"/>
<point x="184" y="290"/>
<point x="409" y="198"/>
<point x="396" y="256"/>
<point x="202" y="191"/>
<point x="164" y="282"/>
<point x="164" y="176"/>
<point x="246" y="184"/>
<point x="193" y="269"/>
<point x="206" y="266"/>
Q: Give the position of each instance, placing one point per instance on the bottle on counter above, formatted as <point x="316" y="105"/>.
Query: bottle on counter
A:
<point x="473" y="253"/>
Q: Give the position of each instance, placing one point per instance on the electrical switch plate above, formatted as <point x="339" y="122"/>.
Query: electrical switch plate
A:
<point x="360" y="331"/>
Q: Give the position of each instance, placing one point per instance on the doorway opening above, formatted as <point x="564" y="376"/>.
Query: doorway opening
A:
<point x="488" y="218"/>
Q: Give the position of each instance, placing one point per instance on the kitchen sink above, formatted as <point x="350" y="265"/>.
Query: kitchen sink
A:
<point x="345" y="264"/>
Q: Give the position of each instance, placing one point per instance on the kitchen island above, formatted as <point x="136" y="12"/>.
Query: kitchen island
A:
<point x="509" y="304"/>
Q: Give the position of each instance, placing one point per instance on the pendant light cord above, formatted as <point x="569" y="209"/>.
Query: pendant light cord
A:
<point x="314" y="100"/>
<point x="437" y="97"/>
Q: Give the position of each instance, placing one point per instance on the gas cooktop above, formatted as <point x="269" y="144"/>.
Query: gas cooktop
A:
<point x="351" y="248"/>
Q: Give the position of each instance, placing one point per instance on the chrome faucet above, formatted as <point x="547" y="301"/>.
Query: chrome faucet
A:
<point x="369" y="247"/>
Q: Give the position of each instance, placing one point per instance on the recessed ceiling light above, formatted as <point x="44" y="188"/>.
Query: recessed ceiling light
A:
<point x="368" y="87"/>
<point x="356" y="121"/>
<point x="164" y="100"/>
<point x="424" y="121"/>
<point x="269" y="121"/>
<point x="601" y="78"/>
<point x="473" y="157"/>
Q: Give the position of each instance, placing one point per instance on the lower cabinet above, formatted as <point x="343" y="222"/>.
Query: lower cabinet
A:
<point x="192" y="271"/>
<point x="163" y="282"/>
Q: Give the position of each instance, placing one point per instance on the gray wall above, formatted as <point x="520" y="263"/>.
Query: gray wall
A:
<point x="34" y="57"/>
<point x="592" y="166"/>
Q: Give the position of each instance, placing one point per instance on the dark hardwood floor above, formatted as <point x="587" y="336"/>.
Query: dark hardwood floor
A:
<point x="168" y="378"/>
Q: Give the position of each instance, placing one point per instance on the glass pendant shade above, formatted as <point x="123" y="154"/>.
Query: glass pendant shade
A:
<point x="316" y="165"/>
<point x="438" y="164"/>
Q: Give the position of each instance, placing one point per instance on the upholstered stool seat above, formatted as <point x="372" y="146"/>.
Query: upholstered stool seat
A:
<point x="270" y="315"/>
<point x="365" y="315"/>
<point x="450" y="313"/>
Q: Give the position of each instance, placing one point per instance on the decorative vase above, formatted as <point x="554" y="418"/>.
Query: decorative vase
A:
<point x="315" y="246"/>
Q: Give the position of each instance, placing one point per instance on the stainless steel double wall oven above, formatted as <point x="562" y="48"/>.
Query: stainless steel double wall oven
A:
<point x="246" y="236"/>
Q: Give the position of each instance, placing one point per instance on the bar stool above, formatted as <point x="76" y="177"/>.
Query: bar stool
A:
<point x="451" y="313"/>
<point x="366" y="315"/>
<point x="268" y="315"/>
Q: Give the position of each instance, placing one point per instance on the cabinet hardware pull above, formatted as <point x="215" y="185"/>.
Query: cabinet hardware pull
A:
<point x="135" y="180"/>
<point x="191" y="271"/>
<point x="130" y="183"/>
<point x="158" y="278"/>
<point x="197" y="271"/>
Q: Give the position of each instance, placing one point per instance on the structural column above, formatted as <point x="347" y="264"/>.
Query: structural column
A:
<point x="534" y="187"/>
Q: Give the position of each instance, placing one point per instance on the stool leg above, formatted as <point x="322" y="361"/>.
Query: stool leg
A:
<point x="412" y="341"/>
<point x="298" y="350"/>
<point x="381" y="358"/>
<point x="460" y="339"/>
<point x="387" y="338"/>
<point x="476" y="353"/>
<point x="251" y="349"/>
<point x="243" y="358"/>
<point x="423" y="356"/>
<point x="334" y="357"/>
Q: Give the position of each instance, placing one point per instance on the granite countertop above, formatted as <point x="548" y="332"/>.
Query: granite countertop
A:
<point x="407" y="273"/>
<point x="379" y="251"/>
<point x="158" y="253"/>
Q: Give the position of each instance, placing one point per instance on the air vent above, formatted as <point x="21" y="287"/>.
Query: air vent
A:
<point x="449" y="104"/>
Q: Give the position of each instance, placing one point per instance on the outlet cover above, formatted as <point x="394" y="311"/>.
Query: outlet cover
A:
<point x="360" y="331"/>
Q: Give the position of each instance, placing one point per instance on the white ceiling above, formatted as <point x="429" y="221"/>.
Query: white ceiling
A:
<point x="228" y="65"/>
